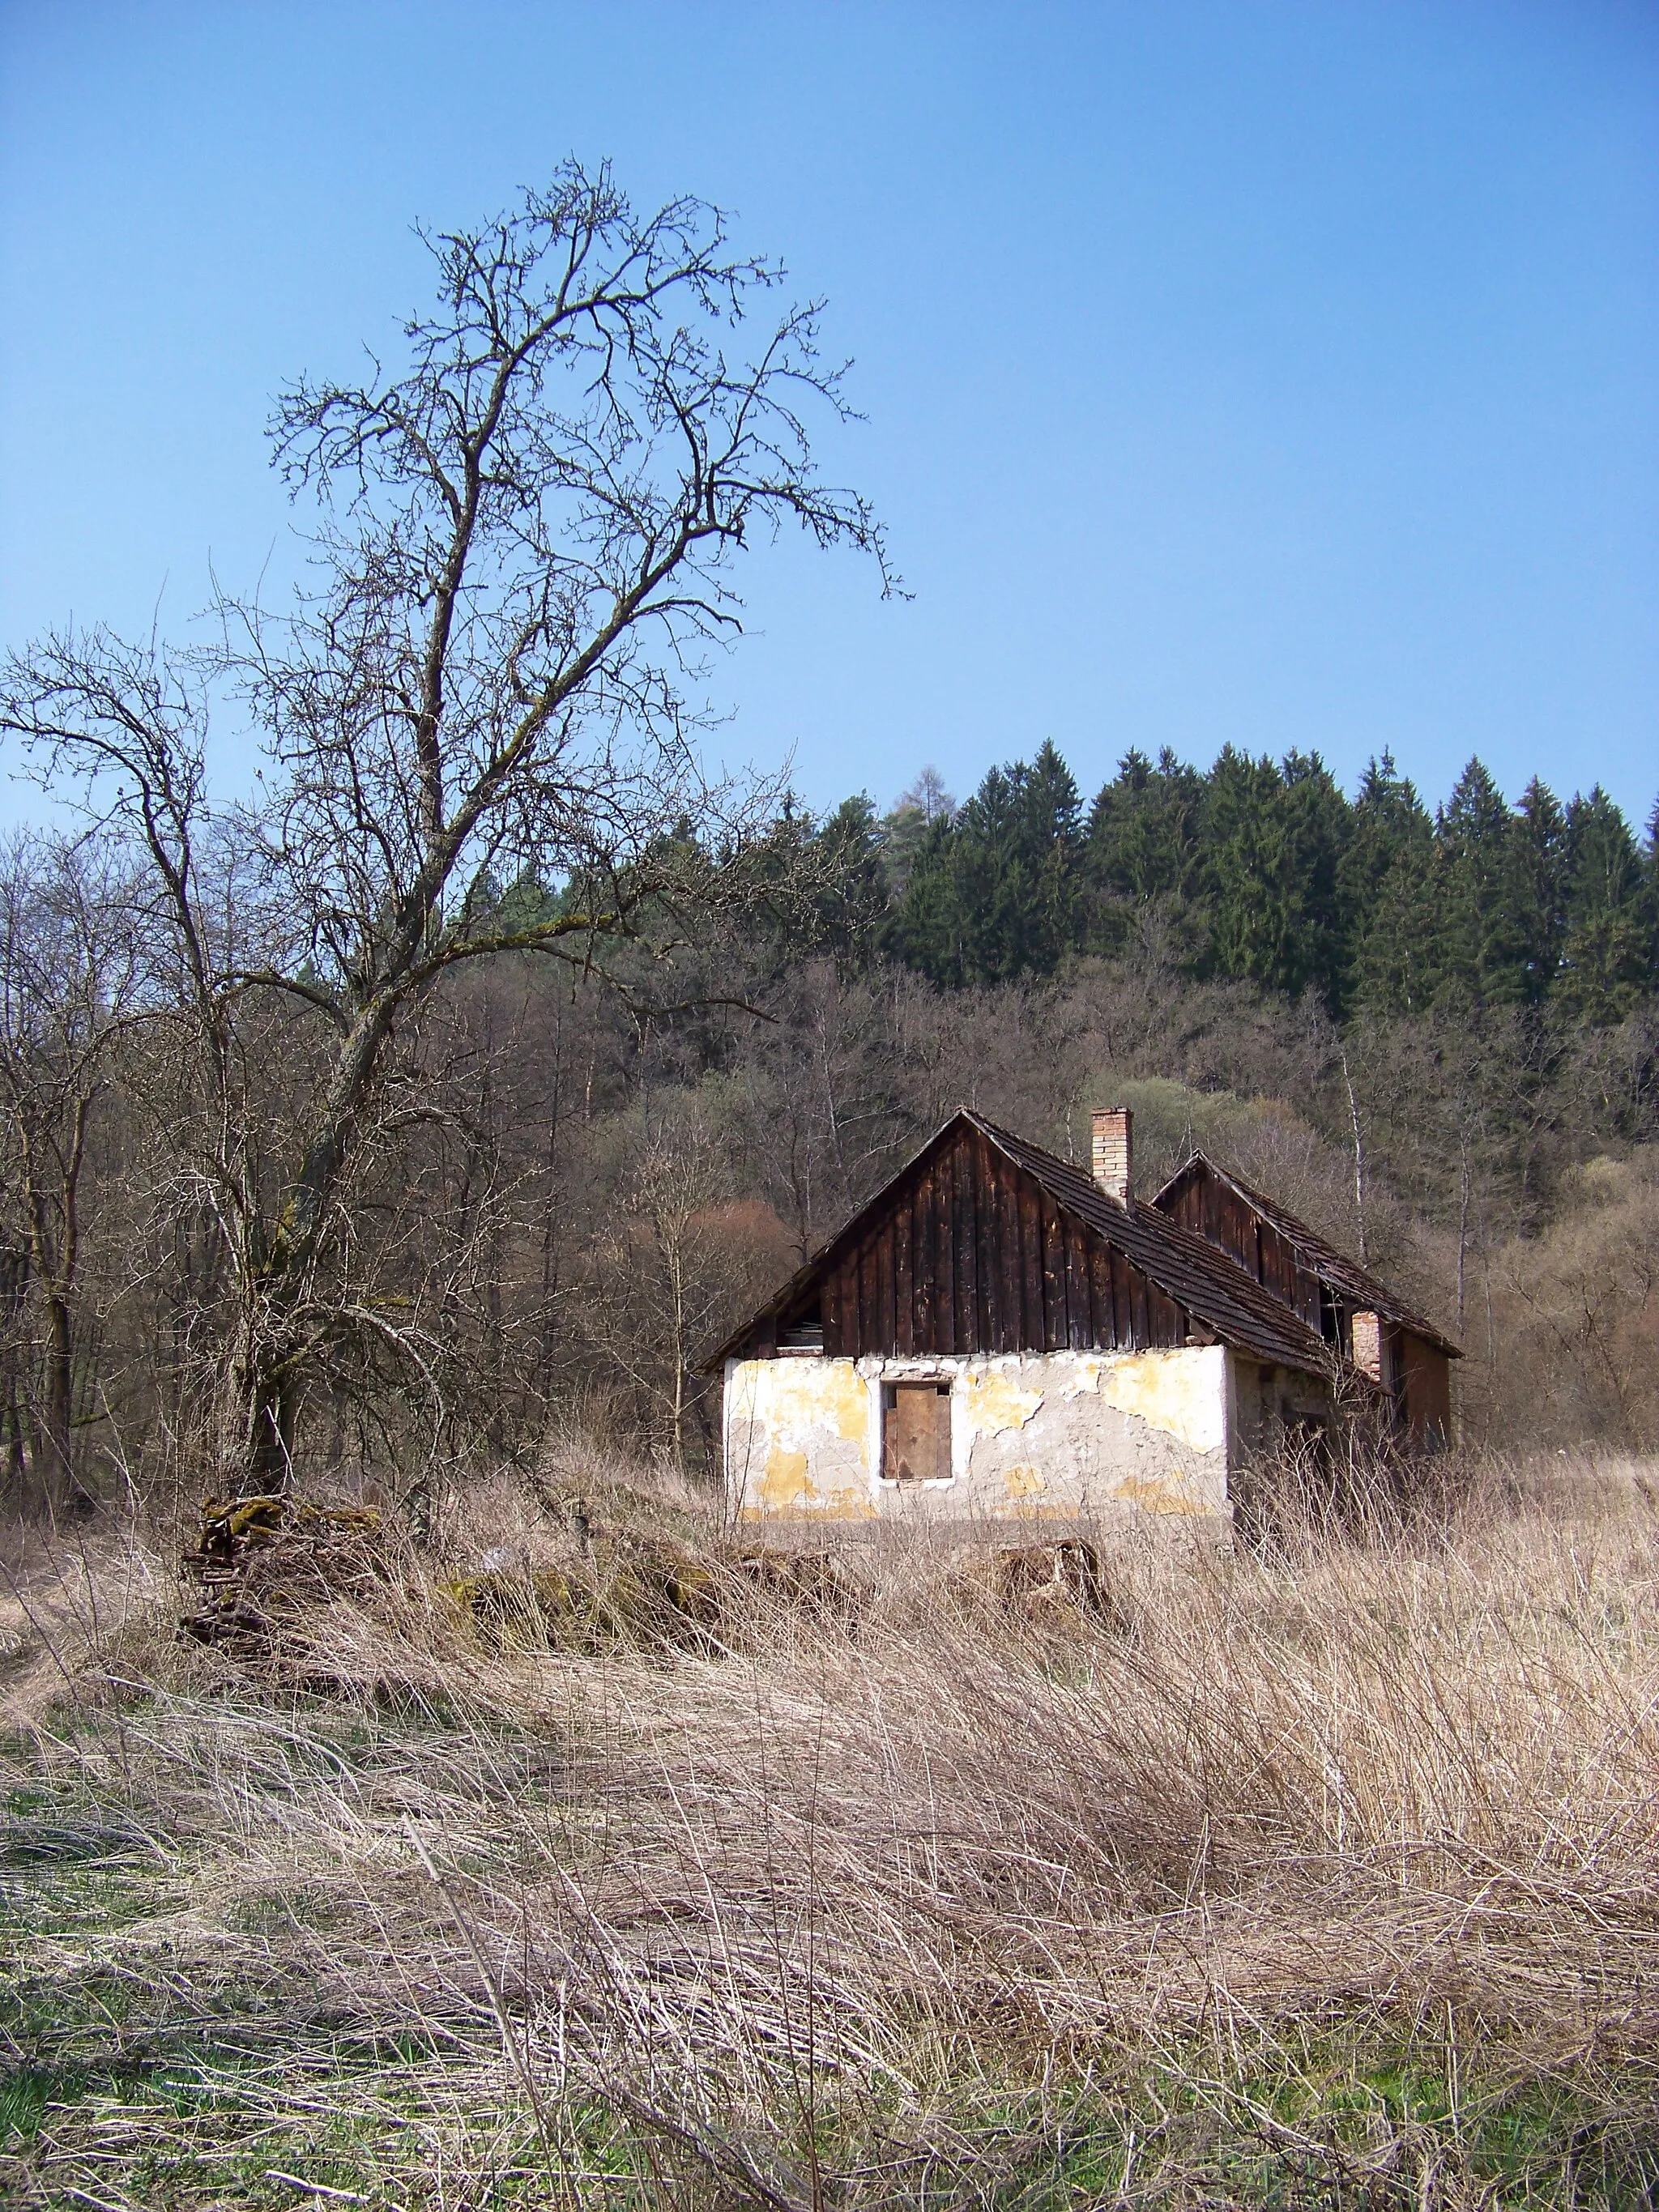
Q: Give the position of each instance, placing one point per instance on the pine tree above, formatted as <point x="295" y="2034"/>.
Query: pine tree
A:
<point x="1483" y="934"/>
<point x="1142" y="846"/>
<point x="1608" y="961"/>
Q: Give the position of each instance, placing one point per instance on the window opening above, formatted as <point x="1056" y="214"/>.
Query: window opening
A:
<point x="916" y="1431"/>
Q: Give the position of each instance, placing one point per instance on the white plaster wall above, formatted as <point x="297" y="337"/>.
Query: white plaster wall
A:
<point x="1036" y="1436"/>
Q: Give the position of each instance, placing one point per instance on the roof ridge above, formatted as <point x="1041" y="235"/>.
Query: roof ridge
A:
<point x="1296" y="1231"/>
<point x="1229" y="1279"/>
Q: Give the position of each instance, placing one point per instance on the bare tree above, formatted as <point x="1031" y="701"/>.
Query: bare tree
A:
<point x="525" y="538"/>
<point x="680" y="1254"/>
<point x="68" y="985"/>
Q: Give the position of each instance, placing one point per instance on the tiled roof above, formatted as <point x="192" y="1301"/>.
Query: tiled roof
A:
<point x="1214" y="1288"/>
<point x="1341" y="1273"/>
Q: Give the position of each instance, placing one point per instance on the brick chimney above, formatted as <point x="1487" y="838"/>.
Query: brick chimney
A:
<point x="1112" y="1140"/>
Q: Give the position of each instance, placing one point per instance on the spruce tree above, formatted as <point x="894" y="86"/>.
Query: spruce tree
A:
<point x="1608" y="961"/>
<point x="1538" y="892"/>
<point x="1484" y="935"/>
<point x="1250" y="896"/>
<point x="1052" y="857"/>
<point x="847" y="880"/>
<point x="1142" y="845"/>
<point x="1318" y="831"/>
<point x="1388" y="876"/>
<point x="924" y="929"/>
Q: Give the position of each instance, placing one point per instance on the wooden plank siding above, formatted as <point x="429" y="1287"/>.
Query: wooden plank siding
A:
<point x="1079" y="1305"/>
<point x="1425" y="1380"/>
<point x="986" y="1243"/>
<point x="1056" y="1291"/>
<point x="1208" y="1207"/>
<point x="903" y="1284"/>
<point x="1102" y="1320"/>
<point x="969" y="1255"/>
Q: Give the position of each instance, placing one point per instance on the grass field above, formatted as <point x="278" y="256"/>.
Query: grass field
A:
<point x="1322" y="1877"/>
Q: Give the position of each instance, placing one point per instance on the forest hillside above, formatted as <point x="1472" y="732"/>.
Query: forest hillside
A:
<point x="1436" y="1037"/>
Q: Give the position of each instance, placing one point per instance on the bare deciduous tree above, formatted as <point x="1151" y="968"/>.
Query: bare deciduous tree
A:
<point x="684" y="1253"/>
<point x="526" y="536"/>
<point x="69" y="978"/>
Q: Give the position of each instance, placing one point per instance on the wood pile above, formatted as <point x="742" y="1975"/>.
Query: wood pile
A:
<point x="260" y="1562"/>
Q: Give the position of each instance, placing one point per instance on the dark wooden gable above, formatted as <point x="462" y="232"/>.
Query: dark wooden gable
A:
<point x="966" y="1252"/>
<point x="1210" y="1207"/>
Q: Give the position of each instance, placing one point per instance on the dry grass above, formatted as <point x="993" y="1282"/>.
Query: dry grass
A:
<point x="1326" y="1879"/>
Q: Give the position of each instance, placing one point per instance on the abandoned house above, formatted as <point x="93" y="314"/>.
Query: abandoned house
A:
<point x="997" y="1335"/>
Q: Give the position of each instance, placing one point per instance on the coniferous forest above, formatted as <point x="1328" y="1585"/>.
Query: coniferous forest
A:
<point x="1265" y="873"/>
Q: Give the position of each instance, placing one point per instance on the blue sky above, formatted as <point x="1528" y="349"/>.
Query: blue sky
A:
<point x="1280" y="372"/>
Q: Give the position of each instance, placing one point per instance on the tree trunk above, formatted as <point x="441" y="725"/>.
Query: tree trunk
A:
<point x="57" y="1484"/>
<point x="257" y="1453"/>
<point x="1358" y="1162"/>
<point x="257" y="1458"/>
<point x="271" y="1436"/>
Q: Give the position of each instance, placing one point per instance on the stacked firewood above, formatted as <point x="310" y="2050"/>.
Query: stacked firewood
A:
<point x="260" y="1561"/>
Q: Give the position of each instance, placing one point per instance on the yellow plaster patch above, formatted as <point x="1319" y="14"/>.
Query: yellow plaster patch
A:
<point x="804" y="1414"/>
<point x="1180" y="1393"/>
<point x="852" y="1398"/>
<point x="802" y="1394"/>
<point x="1022" y="1482"/>
<point x="786" y="1482"/>
<point x="996" y="1403"/>
<point x="1155" y="1494"/>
